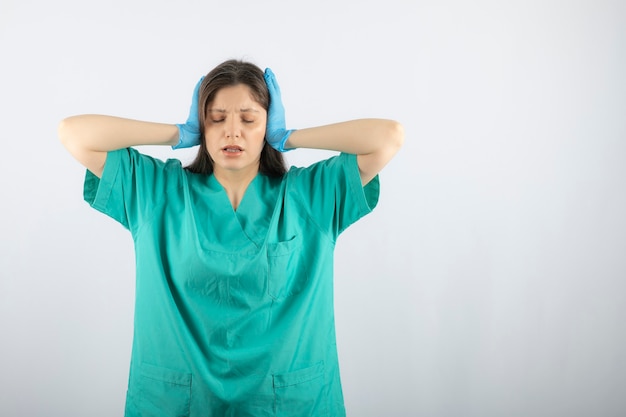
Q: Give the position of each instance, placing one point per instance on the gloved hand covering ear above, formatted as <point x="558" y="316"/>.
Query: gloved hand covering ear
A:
<point x="276" y="133"/>
<point x="189" y="132"/>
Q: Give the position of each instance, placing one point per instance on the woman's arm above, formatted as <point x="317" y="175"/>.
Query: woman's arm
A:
<point x="89" y="137"/>
<point x="374" y="141"/>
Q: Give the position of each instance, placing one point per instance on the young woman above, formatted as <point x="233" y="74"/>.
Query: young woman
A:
<point x="234" y="254"/>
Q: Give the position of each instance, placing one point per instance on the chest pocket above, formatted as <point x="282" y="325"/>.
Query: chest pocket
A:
<point x="287" y="268"/>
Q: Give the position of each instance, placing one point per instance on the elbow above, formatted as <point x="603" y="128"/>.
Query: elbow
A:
<point x="71" y="133"/>
<point x="64" y="132"/>
<point x="395" y="138"/>
<point x="70" y="136"/>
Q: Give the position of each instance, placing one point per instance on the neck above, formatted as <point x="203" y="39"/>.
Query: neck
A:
<point x="235" y="183"/>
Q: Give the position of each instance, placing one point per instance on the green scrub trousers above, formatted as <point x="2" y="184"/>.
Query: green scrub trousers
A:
<point x="234" y="309"/>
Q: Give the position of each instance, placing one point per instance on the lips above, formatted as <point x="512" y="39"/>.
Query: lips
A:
<point x="232" y="148"/>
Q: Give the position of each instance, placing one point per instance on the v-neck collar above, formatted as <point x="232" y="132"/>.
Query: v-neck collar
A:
<point x="255" y="210"/>
<point x="216" y="186"/>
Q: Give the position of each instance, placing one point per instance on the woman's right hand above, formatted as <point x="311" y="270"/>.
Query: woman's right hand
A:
<point x="189" y="132"/>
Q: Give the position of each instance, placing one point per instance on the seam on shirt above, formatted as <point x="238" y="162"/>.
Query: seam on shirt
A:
<point x="357" y="189"/>
<point x="160" y="202"/>
<point x="106" y="184"/>
<point x="311" y="219"/>
<point x="309" y="216"/>
<point x="357" y="193"/>
<point x="104" y="188"/>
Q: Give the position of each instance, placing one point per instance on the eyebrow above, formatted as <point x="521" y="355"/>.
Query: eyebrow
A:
<point x="244" y="110"/>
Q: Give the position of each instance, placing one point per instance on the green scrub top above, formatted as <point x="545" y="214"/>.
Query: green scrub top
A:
<point x="233" y="309"/>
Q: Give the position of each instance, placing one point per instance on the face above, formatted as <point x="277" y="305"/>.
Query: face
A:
<point x="235" y="130"/>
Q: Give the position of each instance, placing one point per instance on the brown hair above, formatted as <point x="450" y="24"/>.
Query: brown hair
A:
<point x="230" y="73"/>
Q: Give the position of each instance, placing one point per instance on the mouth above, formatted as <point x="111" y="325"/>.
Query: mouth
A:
<point x="232" y="149"/>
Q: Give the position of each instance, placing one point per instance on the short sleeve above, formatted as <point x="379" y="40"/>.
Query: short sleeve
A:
<point x="332" y="193"/>
<point x="132" y="184"/>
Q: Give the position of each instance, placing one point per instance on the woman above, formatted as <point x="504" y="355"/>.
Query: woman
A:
<point x="234" y="254"/>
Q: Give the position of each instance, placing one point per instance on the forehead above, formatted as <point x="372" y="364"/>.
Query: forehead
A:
<point x="234" y="97"/>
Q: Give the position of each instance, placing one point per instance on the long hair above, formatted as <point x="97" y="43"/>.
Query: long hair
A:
<point x="231" y="73"/>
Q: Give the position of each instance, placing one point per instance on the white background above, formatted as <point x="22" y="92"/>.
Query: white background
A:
<point x="490" y="281"/>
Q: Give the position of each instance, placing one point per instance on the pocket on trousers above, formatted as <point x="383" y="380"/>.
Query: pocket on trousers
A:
<point x="301" y="393"/>
<point x="286" y="273"/>
<point x="160" y="392"/>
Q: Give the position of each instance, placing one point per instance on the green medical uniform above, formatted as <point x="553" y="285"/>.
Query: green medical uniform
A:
<point x="234" y="309"/>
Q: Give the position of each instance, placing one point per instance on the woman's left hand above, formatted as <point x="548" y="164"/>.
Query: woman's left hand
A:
<point x="276" y="132"/>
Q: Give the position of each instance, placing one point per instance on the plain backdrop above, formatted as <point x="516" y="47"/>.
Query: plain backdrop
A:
<point x="489" y="281"/>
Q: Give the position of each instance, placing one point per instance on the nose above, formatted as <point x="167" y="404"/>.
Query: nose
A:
<point x="233" y="129"/>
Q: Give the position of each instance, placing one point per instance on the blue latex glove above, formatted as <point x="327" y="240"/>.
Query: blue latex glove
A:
<point x="189" y="133"/>
<point x="276" y="133"/>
